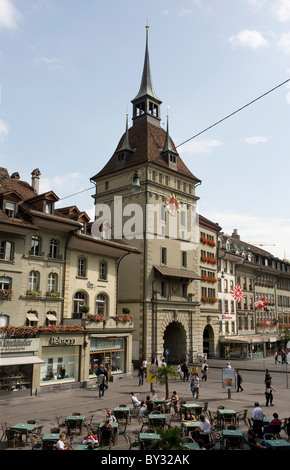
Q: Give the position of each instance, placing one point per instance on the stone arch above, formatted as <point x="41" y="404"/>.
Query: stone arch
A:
<point x="208" y="340"/>
<point x="175" y="340"/>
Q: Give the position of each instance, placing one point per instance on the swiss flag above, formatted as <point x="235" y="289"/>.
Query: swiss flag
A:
<point x="260" y="303"/>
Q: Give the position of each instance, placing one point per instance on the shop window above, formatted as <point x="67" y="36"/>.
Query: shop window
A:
<point x="101" y="304"/>
<point x="7" y="250"/>
<point x="61" y="364"/>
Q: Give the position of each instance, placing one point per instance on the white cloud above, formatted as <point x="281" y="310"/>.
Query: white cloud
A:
<point x="50" y="61"/>
<point x="185" y="12"/>
<point x="62" y="185"/>
<point x="274" y="236"/>
<point x="284" y="43"/>
<point x="251" y="39"/>
<point x="201" y="146"/>
<point x="256" y="140"/>
<point x="3" y="129"/>
<point x="10" y="16"/>
<point x="281" y="10"/>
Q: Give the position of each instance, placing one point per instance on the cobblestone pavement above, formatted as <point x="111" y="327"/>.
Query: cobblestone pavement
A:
<point x="44" y="408"/>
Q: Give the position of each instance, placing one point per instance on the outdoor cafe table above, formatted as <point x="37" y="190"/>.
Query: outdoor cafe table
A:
<point x="278" y="444"/>
<point x="147" y="438"/>
<point x="24" y="428"/>
<point x="77" y="419"/>
<point x="156" y="416"/>
<point x="191" y="445"/>
<point x="221" y="413"/>
<point x="124" y="409"/>
<point x="49" y="438"/>
<point x="189" y="426"/>
<point x="193" y="407"/>
<point x="114" y="425"/>
<point x="162" y="403"/>
<point x="86" y="447"/>
<point x="233" y="435"/>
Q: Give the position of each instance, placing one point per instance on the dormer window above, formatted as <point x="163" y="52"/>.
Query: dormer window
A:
<point x="140" y="108"/>
<point x="48" y="207"/>
<point x="10" y="208"/>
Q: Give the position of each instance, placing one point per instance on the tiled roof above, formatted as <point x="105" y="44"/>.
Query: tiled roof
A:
<point x="7" y="183"/>
<point x="147" y="140"/>
<point x="177" y="273"/>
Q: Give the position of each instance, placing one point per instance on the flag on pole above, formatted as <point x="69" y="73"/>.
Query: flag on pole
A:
<point x="260" y="303"/>
<point x="237" y="293"/>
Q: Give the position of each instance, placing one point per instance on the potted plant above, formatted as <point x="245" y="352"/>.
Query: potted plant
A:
<point x="84" y="308"/>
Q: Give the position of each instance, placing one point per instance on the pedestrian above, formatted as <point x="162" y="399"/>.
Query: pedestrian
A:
<point x="229" y="365"/>
<point x="179" y="372"/>
<point x="194" y="385"/>
<point x="163" y="362"/>
<point x="102" y="380"/>
<point x="154" y="361"/>
<point x="257" y="418"/>
<point x="267" y="375"/>
<point x="106" y="378"/>
<point x="269" y="392"/>
<point x="283" y="356"/>
<point x="239" y="381"/>
<point x="276" y="356"/>
<point x="204" y="369"/>
<point x="141" y="374"/>
<point x="184" y="369"/>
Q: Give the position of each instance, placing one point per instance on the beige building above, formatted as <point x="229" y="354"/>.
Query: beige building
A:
<point x="147" y="196"/>
<point x="58" y="294"/>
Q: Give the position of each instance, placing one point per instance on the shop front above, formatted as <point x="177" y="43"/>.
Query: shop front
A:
<point x="109" y="351"/>
<point x="18" y="366"/>
<point x="61" y="361"/>
<point x="246" y="347"/>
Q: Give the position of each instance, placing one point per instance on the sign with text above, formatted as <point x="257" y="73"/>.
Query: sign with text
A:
<point x="151" y="373"/>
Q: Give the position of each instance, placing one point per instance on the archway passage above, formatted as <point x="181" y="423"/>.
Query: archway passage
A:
<point x="175" y="342"/>
<point x="208" y="343"/>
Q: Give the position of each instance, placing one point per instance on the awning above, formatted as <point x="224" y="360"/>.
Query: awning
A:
<point x="248" y="339"/>
<point x="31" y="317"/>
<point x="177" y="273"/>
<point x="51" y="317"/>
<point x="19" y="360"/>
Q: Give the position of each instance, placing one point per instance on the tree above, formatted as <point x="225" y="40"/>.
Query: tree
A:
<point x="163" y="374"/>
<point x="284" y="336"/>
<point x="170" y="439"/>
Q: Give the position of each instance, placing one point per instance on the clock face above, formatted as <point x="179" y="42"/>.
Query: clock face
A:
<point x="173" y="204"/>
<point x="175" y="287"/>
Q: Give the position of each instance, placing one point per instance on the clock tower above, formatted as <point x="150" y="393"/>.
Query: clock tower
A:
<point x="149" y="196"/>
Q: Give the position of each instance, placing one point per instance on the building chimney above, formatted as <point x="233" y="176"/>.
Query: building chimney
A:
<point x="35" y="180"/>
<point x="235" y="234"/>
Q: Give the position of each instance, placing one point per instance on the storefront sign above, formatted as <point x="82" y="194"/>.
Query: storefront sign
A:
<point x="19" y="344"/>
<point x="61" y="341"/>
<point x="107" y="344"/>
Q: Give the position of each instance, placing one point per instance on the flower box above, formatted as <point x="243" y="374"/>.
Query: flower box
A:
<point x="33" y="293"/>
<point x="6" y="294"/>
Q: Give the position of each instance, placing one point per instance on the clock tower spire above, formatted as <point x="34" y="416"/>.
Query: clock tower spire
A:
<point x="146" y="105"/>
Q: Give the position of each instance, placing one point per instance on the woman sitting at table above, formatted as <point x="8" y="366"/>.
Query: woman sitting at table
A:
<point x="110" y="417"/>
<point x="90" y="439"/>
<point x="188" y="416"/>
<point x="173" y="401"/>
<point x="149" y="403"/>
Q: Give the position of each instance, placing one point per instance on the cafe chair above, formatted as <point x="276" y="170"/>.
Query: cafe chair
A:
<point x="132" y="440"/>
<point x="187" y="439"/>
<point x="232" y="427"/>
<point x="269" y="436"/>
<point x="276" y="431"/>
<point x="54" y="431"/>
<point x="36" y="441"/>
<point x="31" y="421"/>
<point x="61" y="421"/>
<point x="88" y="420"/>
<point x="144" y="422"/>
<point x="107" y="437"/>
<point x="14" y="438"/>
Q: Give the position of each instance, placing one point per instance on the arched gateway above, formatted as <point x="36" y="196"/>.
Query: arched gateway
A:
<point x="208" y="340"/>
<point x="175" y="342"/>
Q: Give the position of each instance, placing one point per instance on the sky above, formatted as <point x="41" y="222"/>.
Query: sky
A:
<point x="70" y="68"/>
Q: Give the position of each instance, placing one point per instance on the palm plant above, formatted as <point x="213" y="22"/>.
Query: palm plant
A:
<point x="163" y="374"/>
<point x="170" y="439"/>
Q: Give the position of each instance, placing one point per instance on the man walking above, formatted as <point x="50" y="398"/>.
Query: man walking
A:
<point x="101" y="383"/>
<point x="239" y="381"/>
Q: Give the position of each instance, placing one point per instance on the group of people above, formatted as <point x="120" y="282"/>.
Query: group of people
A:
<point x="256" y="435"/>
<point x="147" y="406"/>
<point x="283" y="357"/>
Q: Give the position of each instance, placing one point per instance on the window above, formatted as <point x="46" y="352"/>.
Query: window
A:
<point x="82" y="267"/>
<point x="101" y="305"/>
<point x="51" y="319"/>
<point x="163" y="289"/>
<point x="53" y="248"/>
<point x="7" y="250"/>
<point x="5" y="283"/>
<point x="10" y="208"/>
<point x="52" y="282"/>
<point x="35" y="246"/>
<point x="33" y="281"/>
<point x="32" y="318"/>
<point x="163" y="255"/>
<point x="103" y="270"/>
<point x="184" y="259"/>
<point x="79" y="300"/>
<point x="48" y="207"/>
